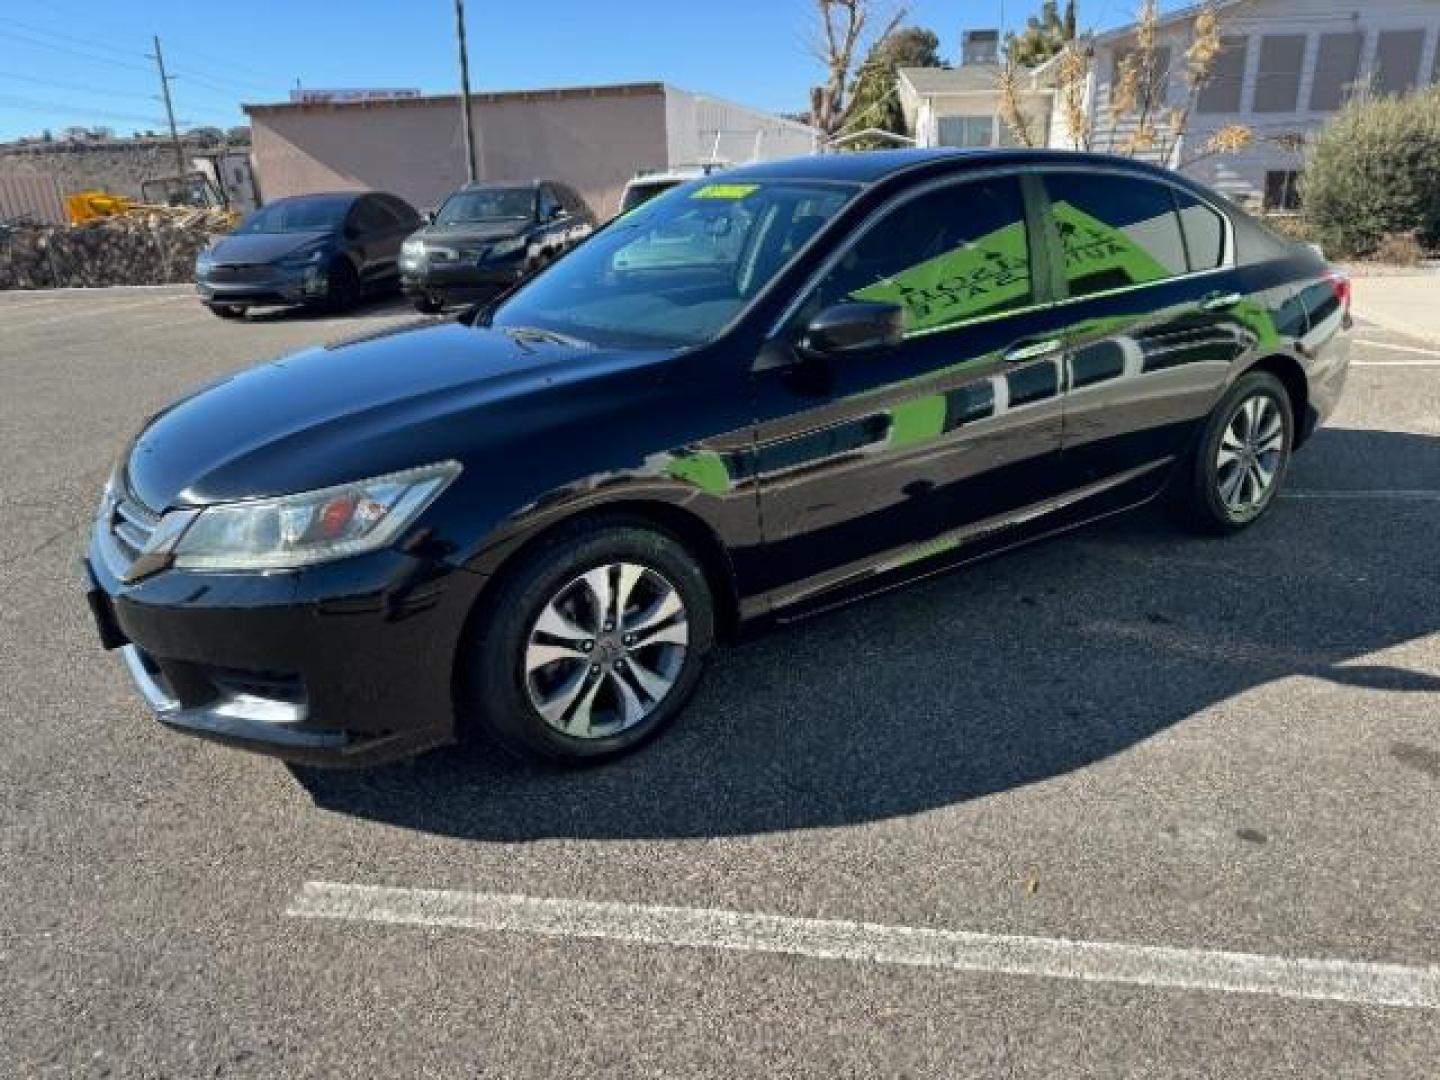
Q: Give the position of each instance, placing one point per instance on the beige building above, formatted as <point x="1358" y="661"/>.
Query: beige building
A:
<point x="593" y="138"/>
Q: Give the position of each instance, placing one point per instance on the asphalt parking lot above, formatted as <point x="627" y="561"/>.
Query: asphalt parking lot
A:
<point x="1092" y="803"/>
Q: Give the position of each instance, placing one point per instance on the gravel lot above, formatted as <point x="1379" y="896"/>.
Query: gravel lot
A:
<point x="1125" y="736"/>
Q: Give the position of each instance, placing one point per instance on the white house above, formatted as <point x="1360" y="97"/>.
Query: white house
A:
<point x="961" y="106"/>
<point x="1286" y="67"/>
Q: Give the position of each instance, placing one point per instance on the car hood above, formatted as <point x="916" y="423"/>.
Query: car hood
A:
<point x="396" y="400"/>
<point x="473" y="231"/>
<point x="263" y="247"/>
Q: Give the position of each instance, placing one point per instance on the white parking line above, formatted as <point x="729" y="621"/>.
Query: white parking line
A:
<point x="870" y="943"/>
<point x="114" y="308"/>
<point x="1394" y="348"/>
<point x="1410" y="495"/>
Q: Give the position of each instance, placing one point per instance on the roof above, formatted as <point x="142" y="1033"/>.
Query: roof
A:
<point x="1178" y="15"/>
<point x="874" y="166"/>
<point x="641" y="89"/>
<point x="966" y="79"/>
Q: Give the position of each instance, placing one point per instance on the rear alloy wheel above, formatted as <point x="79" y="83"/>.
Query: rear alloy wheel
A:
<point x="591" y="645"/>
<point x="1243" y="455"/>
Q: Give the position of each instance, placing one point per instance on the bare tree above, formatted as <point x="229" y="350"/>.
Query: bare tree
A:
<point x="846" y="26"/>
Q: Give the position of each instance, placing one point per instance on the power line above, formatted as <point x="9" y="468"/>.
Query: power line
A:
<point x="212" y="82"/>
<point x="72" y="52"/>
<point x="89" y="43"/>
<point x="75" y="86"/>
<point x="32" y="105"/>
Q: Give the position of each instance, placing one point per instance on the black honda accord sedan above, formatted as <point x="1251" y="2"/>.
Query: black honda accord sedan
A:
<point x="844" y="372"/>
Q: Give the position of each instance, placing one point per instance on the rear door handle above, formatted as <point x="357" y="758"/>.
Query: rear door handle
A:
<point x="1221" y="301"/>
<point x="1033" y="350"/>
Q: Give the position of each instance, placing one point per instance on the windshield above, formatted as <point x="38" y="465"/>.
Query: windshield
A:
<point x="677" y="270"/>
<point x="298" y="215"/>
<point x="488" y="204"/>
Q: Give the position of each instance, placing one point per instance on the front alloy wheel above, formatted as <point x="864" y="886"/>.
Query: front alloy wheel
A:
<point x="606" y="650"/>
<point x="592" y="642"/>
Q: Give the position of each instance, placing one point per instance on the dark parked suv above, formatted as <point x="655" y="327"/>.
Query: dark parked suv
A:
<point x="486" y="237"/>
<point x="316" y="250"/>
<point x="846" y="372"/>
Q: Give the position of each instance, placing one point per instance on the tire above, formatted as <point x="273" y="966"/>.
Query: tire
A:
<point x="342" y="286"/>
<point x="511" y="667"/>
<point x="428" y="305"/>
<point x="1221" y="498"/>
<point x="227" y="311"/>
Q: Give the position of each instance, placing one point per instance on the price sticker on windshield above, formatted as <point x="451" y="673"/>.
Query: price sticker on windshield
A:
<point x="731" y="192"/>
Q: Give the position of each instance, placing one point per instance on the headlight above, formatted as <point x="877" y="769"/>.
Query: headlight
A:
<point x="413" y="248"/>
<point x="501" y="248"/>
<point x="313" y="527"/>
<point x="304" y="258"/>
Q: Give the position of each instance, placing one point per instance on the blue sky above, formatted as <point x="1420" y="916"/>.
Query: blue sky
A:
<point x="69" y="62"/>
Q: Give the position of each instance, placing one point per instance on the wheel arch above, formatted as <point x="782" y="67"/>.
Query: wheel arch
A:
<point x="1291" y="374"/>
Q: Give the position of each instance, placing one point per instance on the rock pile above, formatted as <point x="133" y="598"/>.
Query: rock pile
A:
<point x="147" y="246"/>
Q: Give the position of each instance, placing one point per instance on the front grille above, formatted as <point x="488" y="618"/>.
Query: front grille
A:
<point x="247" y="273"/>
<point x="132" y="526"/>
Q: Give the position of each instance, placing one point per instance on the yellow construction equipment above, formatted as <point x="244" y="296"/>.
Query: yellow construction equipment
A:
<point x="88" y="205"/>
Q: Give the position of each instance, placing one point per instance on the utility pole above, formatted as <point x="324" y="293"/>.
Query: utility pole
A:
<point x="468" y="124"/>
<point x="159" y="59"/>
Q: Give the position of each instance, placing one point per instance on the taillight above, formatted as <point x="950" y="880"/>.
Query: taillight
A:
<point x="1341" y="284"/>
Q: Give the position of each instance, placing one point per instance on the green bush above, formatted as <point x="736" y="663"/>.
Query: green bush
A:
<point x="1375" y="172"/>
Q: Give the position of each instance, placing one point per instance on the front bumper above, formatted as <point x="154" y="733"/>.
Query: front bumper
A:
<point x="461" y="280"/>
<point x="270" y="284"/>
<point x="349" y="663"/>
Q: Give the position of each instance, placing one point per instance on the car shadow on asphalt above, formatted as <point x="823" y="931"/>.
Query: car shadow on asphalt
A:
<point x="374" y="306"/>
<point x="999" y="675"/>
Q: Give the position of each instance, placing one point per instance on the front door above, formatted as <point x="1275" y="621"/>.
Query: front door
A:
<point x="870" y="465"/>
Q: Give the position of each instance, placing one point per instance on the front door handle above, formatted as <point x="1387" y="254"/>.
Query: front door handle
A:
<point x="1221" y="301"/>
<point x="1033" y="350"/>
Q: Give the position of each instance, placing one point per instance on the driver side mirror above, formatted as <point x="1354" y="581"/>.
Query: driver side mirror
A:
<point x="557" y="212"/>
<point x="855" y="328"/>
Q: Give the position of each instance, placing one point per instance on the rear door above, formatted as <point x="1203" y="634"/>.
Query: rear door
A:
<point x="1153" y="323"/>
<point x="873" y="464"/>
<point x="378" y="234"/>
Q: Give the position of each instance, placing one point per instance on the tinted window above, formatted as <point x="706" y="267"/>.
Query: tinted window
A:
<point x="371" y="216"/>
<point x="549" y="204"/>
<point x="571" y="199"/>
<point x="678" y="269"/>
<point x="954" y="254"/>
<point x="1204" y="232"/>
<point x="403" y="211"/>
<point x="1116" y="231"/>
<point x="323" y="213"/>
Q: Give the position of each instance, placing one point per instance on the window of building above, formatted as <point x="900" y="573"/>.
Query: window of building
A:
<point x="1397" y="60"/>
<point x="1116" y="230"/>
<point x="1337" y="68"/>
<point x="1227" y="78"/>
<point x="967" y="130"/>
<point x="955" y="254"/>
<point x="1277" y="82"/>
<point x="1282" y="190"/>
<point x="1159" y="73"/>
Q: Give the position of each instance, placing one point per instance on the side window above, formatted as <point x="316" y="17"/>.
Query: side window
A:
<point x="548" y="203"/>
<point x="1116" y="231"/>
<point x="954" y="254"/>
<point x="403" y="211"/>
<point x="370" y="217"/>
<point x="1204" y="232"/>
